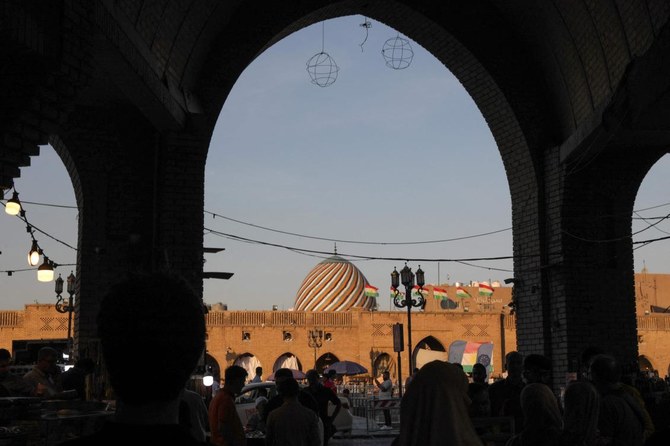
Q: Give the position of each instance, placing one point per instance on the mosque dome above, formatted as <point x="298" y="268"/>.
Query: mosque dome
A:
<point x="335" y="284"/>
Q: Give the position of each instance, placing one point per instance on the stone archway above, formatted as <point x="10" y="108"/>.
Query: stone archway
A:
<point x="426" y="350"/>
<point x="287" y="361"/>
<point x="324" y="361"/>
<point x="212" y="365"/>
<point x="645" y="364"/>
<point x="248" y="362"/>
<point x="385" y="363"/>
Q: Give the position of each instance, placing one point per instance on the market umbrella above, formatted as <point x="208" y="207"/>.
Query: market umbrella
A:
<point x="297" y="374"/>
<point x="346" y="368"/>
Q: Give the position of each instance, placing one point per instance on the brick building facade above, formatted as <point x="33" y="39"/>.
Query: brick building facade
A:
<point x="366" y="336"/>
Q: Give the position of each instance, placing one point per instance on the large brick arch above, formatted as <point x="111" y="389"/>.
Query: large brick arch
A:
<point x="592" y="258"/>
<point x="571" y="91"/>
<point x="502" y="79"/>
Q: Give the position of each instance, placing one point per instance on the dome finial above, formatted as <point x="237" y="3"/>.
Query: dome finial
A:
<point x="335" y="248"/>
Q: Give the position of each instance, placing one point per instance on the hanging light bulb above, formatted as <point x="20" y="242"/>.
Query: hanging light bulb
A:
<point x="207" y="379"/>
<point x="13" y="205"/>
<point x="34" y="254"/>
<point x="45" y="273"/>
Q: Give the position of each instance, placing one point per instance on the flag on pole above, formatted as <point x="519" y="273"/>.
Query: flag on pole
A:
<point x="460" y="292"/>
<point x="485" y="290"/>
<point x="415" y="291"/>
<point x="394" y="292"/>
<point x="371" y="291"/>
<point x="440" y="293"/>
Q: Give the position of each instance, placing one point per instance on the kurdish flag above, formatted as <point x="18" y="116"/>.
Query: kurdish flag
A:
<point x="394" y="291"/>
<point x="370" y="291"/>
<point x="440" y="293"/>
<point x="485" y="290"/>
<point x="468" y="353"/>
<point x="415" y="291"/>
<point x="460" y="292"/>
<point x="469" y="357"/>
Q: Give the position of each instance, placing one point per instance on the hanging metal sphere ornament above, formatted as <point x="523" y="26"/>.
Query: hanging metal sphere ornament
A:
<point x="322" y="69"/>
<point x="397" y="53"/>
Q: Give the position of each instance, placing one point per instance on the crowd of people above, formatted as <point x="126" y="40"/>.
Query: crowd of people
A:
<point x="45" y="379"/>
<point x="157" y="319"/>
<point x="597" y="408"/>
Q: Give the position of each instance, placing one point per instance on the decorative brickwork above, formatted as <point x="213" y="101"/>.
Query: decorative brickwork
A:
<point x="365" y="336"/>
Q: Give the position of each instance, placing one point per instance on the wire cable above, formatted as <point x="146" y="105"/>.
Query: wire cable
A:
<point x="358" y="242"/>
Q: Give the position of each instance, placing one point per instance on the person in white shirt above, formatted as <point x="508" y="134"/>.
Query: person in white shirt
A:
<point x="385" y="393"/>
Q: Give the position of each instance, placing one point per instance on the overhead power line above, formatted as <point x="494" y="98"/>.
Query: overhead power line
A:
<point x="358" y="242"/>
<point x="355" y="256"/>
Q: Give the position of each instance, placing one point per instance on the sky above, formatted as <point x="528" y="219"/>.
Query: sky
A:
<point x="383" y="163"/>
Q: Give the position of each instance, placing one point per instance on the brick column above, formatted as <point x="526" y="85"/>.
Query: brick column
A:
<point x="140" y="195"/>
<point x="589" y="273"/>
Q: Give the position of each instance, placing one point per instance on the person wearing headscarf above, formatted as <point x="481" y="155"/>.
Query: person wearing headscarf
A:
<point x="434" y="410"/>
<point x="580" y="417"/>
<point x="542" y="417"/>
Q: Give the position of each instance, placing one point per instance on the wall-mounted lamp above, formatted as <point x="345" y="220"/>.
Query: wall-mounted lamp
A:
<point x="328" y="337"/>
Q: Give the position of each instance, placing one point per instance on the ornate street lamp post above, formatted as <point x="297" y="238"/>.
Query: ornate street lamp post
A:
<point x="315" y="340"/>
<point x="406" y="277"/>
<point x="62" y="307"/>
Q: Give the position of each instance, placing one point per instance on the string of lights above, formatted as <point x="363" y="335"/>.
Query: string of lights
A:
<point x="45" y="272"/>
<point x="13" y="206"/>
<point x="382" y="243"/>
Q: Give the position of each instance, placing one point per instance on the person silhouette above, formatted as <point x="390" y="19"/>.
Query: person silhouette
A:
<point x="10" y="384"/>
<point x="292" y="423"/>
<point x="75" y="378"/>
<point x="224" y="421"/>
<point x="259" y="375"/>
<point x="434" y="410"/>
<point x="152" y="321"/>
<point x="45" y="374"/>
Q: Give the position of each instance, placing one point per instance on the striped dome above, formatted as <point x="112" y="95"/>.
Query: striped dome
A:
<point x="333" y="285"/>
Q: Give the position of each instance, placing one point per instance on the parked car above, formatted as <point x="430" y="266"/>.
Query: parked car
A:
<point x="246" y="405"/>
<point x="246" y="400"/>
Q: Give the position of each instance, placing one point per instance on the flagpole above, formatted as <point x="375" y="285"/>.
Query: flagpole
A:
<point x="438" y="274"/>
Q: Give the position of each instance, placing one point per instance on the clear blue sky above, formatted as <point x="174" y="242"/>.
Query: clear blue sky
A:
<point x="381" y="155"/>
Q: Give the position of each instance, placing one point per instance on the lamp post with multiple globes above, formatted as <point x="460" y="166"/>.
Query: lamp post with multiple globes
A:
<point x="315" y="340"/>
<point x="406" y="277"/>
<point x="68" y="307"/>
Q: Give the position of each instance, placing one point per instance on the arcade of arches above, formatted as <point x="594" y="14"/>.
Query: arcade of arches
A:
<point x="259" y="338"/>
<point x="128" y="93"/>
